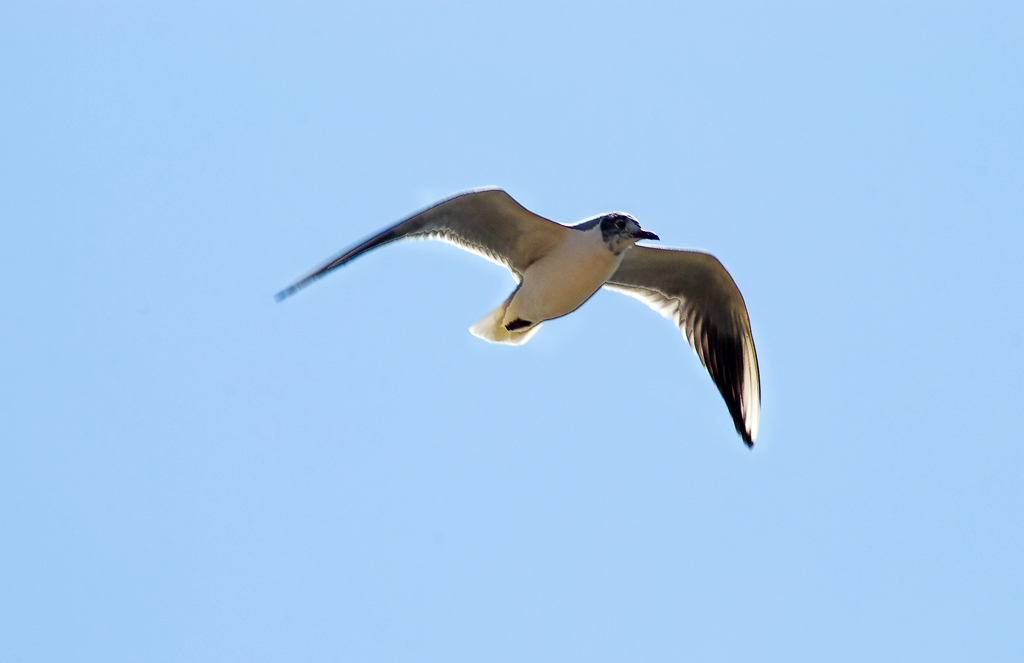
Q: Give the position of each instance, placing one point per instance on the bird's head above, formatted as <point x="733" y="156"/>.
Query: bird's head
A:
<point x="620" y="231"/>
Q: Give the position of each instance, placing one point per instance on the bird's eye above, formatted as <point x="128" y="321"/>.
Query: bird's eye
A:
<point x="620" y="224"/>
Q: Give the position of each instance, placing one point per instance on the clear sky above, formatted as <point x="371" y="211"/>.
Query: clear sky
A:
<point x="192" y="472"/>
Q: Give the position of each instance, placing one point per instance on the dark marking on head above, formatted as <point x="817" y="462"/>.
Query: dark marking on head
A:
<point x="614" y="225"/>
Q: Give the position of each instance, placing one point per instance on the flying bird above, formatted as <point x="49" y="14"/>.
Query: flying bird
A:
<point x="559" y="267"/>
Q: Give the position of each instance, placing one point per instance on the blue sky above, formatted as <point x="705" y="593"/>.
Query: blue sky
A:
<point x="189" y="471"/>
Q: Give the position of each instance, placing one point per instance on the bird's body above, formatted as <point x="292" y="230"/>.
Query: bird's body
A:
<point x="560" y="267"/>
<point x="556" y="285"/>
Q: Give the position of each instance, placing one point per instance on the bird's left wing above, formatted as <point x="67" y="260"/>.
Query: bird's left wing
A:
<point x="693" y="290"/>
<point x="487" y="222"/>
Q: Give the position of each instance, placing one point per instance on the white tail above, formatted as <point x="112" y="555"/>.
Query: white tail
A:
<point x="491" y="329"/>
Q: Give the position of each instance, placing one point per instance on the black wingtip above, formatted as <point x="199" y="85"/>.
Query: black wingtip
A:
<point x="741" y="428"/>
<point x="284" y="294"/>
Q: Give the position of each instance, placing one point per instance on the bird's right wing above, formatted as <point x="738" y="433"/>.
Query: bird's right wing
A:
<point x="487" y="222"/>
<point x="694" y="291"/>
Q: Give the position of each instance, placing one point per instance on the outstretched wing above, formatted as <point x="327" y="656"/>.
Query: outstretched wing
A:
<point x="487" y="222"/>
<point x="694" y="290"/>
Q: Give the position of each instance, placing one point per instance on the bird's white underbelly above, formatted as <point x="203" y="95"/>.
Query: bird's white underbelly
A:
<point x="561" y="281"/>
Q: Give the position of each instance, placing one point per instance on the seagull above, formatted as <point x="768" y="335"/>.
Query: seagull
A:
<point x="558" y="268"/>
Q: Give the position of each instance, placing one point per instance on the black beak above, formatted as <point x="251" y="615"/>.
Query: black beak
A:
<point x="643" y="234"/>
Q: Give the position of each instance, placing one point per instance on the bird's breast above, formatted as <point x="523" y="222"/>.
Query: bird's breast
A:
<point x="562" y="280"/>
